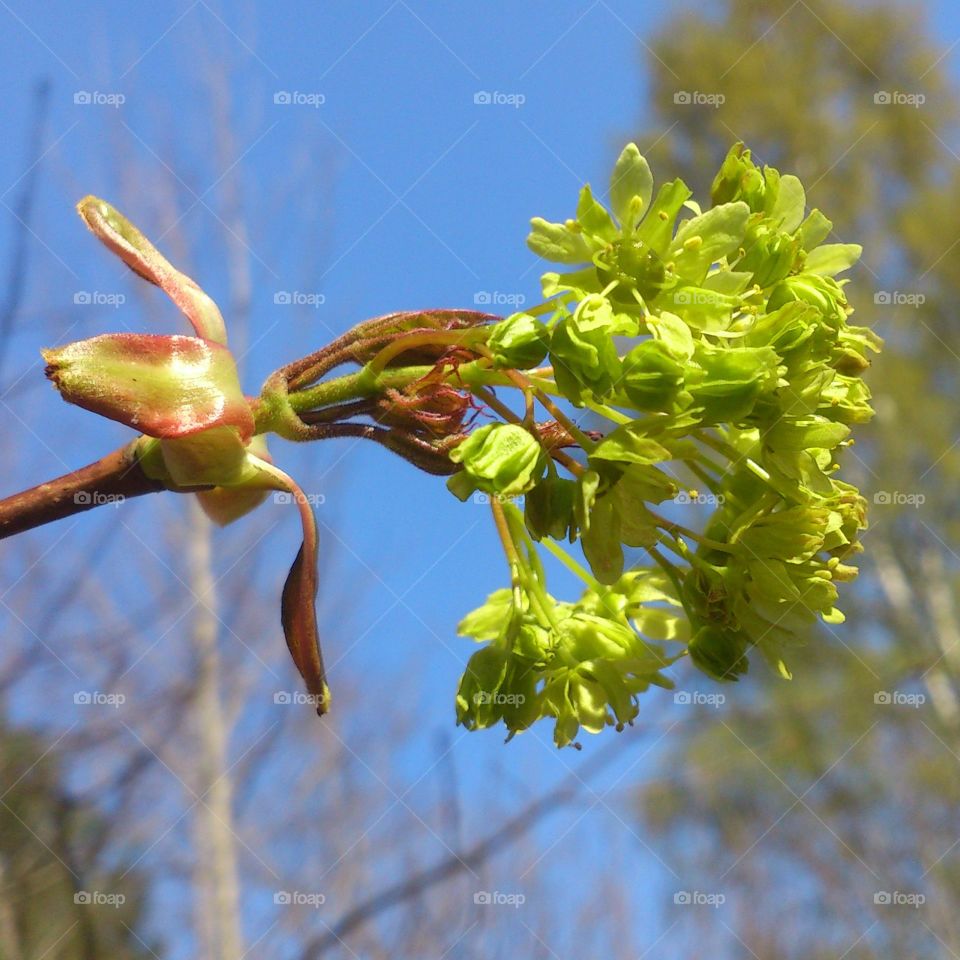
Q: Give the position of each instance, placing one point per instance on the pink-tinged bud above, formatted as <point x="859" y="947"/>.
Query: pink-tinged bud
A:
<point x="118" y="234"/>
<point x="163" y="386"/>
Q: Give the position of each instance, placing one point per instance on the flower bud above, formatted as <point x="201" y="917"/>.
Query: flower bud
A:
<point x="548" y="509"/>
<point x="651" y="376"/>
<point x="770" y="255"/>
<point x="519" y="342"/>
<point x="730" y="380"/>
<point x="822" y="292"/>
<point x="719" y="652"/>
<point x="163" y="386"/>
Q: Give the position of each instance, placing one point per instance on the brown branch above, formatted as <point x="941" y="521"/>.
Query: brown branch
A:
<point x="469" y="861"/>
<point x="113" y="479"/>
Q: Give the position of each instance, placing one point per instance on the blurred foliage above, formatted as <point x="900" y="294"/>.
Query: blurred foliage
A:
<point x="60" y="899"/>
<point x="806" y="800"/>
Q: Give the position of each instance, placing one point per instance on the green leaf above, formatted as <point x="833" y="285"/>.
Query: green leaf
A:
<point x="629" y="444"/>
<point x="163" y="386"/>
<point x="718" y="652"/>
<point x="651" y="376"/>
<point x="487" y="622"/>
<point x="657" y="227"/>
<point x="462" y="485"/>
<point x="833" y="258"/>
<point x="805" y="434"/>
<point x="477" y="703"/>
<point x="704" y="240"/>
<point x="579" y="281"/>
<point x="121" y="237"/>
<point x="648" y="483"/>
<point x="630" y="181"/>
<point x="673" y="333"/>
<point x="587" y="487"/>
<point x="556" y="242"/>
<point x="658" y="624"/>
<point x="795" y="533"/>
<point x="728" y="282"/>
<point x="702" y="309"/>
<point x="790" y="203"/>
<point x="601" y="542"/>
<point x="593" y="216"/>
<point x="584" y="355"/>
<point x="731" y="380"/>
<point x="814" y="230"/>
<point x="216" y="457"/>
<point x="638" y="527"/>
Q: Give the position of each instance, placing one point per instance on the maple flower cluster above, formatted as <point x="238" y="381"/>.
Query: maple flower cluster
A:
<point x="712" y="351"/>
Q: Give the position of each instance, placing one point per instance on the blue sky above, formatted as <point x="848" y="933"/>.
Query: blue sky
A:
<point x="381" y="185"/>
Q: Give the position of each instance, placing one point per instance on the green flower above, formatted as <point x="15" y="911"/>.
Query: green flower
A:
<point x="584" y="355"/>
<point x="500" y="458"/>
<point x="634" y="255"/>
<point x="585" y="667"/>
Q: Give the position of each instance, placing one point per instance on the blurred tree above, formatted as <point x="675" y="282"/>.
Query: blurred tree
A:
<point x="60" y="897"/>
<point x="805" y="803"/>
<point x="241" y="810"/>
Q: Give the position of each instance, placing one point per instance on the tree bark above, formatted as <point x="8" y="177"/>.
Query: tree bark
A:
<point x="219" y="903"/>
<point x="113" y="479"/>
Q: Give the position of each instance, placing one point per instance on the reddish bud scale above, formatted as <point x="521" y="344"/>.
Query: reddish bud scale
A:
<point x="163" y="386"/>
